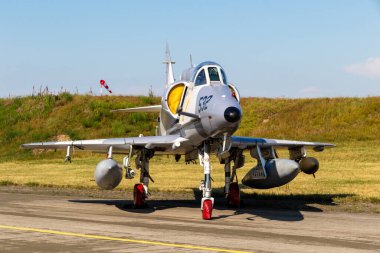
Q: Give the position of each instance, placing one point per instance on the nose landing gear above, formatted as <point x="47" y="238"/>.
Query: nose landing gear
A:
<point x="207" y="202"/>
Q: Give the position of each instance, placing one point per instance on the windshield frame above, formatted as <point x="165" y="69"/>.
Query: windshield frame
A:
<point x="224" y="76"/>
<point x="205" y="68"/>
<point x="206" y="81"/>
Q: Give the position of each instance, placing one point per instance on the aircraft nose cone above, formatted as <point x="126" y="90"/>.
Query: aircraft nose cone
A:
<point x="232" y="114"/>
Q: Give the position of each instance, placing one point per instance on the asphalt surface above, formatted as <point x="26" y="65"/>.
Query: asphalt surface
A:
<point x="43" y="223"/>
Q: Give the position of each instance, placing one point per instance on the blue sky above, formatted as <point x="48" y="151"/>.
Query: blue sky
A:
<point x="268" y="48"/>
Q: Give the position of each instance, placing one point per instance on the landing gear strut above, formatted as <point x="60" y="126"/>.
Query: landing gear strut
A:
<point x="140" y="191"/>
<point x="207" y="202"/>
<point x="231" y="187"/>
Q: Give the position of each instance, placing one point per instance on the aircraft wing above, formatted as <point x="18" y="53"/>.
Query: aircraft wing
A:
<point x="247" y="142"/>
<point x="120" y="145"/>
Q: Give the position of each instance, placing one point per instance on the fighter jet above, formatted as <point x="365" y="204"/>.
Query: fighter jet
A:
<point x="198" y="116"/>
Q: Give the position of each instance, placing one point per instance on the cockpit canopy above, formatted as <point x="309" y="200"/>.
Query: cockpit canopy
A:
<point x="205" y="73"/>
<point x="208" y="73"/>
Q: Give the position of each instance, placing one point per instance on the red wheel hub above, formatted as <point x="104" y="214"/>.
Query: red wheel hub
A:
<point x="233" y="196"/>
<point x="207" y="209"/>
<point x="138" y="196"/>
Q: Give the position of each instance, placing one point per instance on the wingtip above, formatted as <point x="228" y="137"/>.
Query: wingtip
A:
<point x="24" y="146"/>
<point x="31" y="145"/>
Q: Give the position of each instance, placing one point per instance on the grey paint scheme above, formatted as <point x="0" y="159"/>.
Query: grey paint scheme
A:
<point x="108" y="174"/>
<point x="249" y="142"/>
<point x="211" y="123"/>
<point x="119" y="145"/>
<point x="279" y="172"/>
<point x="178" y="137"/>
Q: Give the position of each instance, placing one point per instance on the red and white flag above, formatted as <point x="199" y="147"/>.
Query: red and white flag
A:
<point x="105" y="85"/>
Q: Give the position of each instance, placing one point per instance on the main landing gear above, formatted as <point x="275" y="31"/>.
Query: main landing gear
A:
<point x="140" y="191"/>
<point x="231" y="187"/>
<point x="139" y="195"/>
<point x="233" y="196"/>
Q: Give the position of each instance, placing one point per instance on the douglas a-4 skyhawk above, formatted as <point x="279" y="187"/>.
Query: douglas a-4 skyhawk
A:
<point x="198" y="115"/>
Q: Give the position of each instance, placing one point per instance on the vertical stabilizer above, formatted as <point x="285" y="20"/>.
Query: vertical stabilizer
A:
<point x="169" y="66"/>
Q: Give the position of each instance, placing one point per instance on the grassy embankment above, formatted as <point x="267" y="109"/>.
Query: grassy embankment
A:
<point x="350" y="173"/>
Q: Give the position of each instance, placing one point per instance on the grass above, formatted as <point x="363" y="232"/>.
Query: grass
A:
<point x="38" y="118"/>
<point x="41" y="118"/>
<point x="328" y="119"/>
<point x="349" y="173"/>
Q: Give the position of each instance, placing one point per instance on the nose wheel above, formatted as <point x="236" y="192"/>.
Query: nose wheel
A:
<point x="207" y="209"/>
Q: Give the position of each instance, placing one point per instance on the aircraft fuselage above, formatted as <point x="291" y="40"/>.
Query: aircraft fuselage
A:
<point x="203" y="109"/>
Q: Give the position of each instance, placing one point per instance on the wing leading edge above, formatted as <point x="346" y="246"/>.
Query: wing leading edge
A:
<point x="121" y="145"/>
<point x="247" y="142"/>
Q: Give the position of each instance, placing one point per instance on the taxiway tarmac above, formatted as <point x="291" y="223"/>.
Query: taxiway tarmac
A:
<point x="43" y="223"/>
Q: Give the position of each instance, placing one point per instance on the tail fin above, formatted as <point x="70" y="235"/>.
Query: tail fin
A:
<point x="169" y="66"/>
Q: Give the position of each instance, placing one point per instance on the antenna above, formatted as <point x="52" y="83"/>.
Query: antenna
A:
<point x="191" y="61"/>
<point x="169" y="66"/>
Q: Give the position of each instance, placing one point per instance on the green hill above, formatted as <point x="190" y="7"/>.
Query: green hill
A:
<point x="321" y="119"/>
<point x="40" y="118"/>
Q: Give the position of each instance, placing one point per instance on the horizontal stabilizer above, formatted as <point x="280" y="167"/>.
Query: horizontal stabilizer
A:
<point x="151" y="108"/>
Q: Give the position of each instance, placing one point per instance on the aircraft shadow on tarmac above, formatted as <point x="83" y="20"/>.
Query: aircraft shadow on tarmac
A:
<point x="272" y="207"/>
